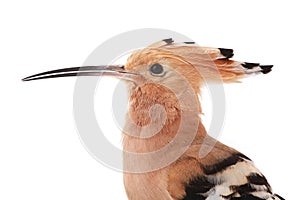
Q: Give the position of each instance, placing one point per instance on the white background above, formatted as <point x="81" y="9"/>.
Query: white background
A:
<point x="41" y="156"/>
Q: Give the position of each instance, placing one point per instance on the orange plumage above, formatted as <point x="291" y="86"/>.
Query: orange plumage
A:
<point x="164" y="135"/>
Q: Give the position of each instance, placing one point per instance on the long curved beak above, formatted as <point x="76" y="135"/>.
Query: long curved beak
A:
<point x="117" y="71"/>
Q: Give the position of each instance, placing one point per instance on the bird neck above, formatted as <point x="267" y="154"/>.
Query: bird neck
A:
<point x="156" y="115"/>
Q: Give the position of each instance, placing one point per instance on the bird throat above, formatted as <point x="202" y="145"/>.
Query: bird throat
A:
<point x="155" y="116"/>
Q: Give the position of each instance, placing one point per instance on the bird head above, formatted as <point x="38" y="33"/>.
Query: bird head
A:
<point x="169" y="69"/>
<point x="165" y="63"/>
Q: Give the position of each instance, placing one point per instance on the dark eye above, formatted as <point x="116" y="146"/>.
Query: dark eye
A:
<point x="156" y="69"/>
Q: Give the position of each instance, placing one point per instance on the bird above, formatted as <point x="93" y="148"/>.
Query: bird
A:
<point x="164" y="137"/>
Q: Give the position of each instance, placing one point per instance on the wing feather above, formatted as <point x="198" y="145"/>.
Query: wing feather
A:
<point x="233" y="178"/>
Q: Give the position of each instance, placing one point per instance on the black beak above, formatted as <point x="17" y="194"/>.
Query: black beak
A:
<point x="112" y="70"/>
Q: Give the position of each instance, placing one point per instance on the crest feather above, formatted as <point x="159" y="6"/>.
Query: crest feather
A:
<point x="212" y="63"/>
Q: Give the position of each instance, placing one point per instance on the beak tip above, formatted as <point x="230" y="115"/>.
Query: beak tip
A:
<point x="25" y="79"/>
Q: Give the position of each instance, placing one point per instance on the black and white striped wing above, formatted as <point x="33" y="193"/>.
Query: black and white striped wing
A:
<point x="235" y="178"/>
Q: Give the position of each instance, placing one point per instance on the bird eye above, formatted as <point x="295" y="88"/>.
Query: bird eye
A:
<point x="156" y="69"/>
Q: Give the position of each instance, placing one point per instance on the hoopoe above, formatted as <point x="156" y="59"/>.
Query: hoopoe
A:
<point x="164" y="83"/>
